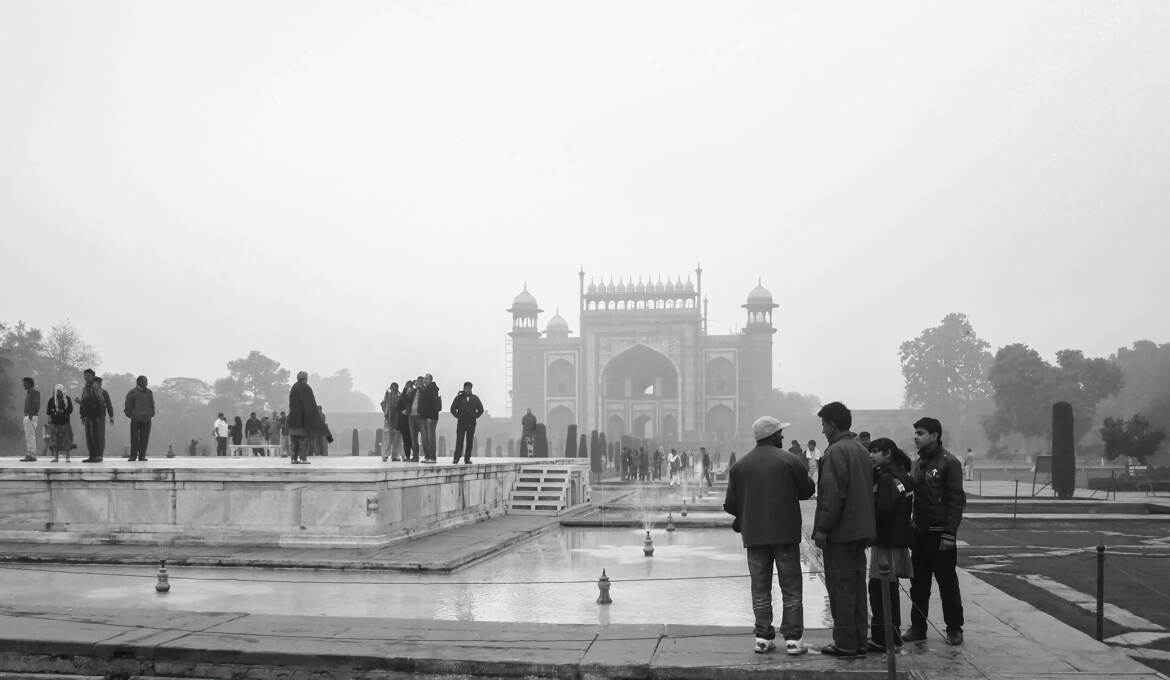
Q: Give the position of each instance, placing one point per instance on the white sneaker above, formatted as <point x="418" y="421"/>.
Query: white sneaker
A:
<point x="764" y="646"/>
<point x="795" y="647"/>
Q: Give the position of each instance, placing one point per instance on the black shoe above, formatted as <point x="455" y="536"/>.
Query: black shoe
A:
<point x="834" y="650"/>
<point x="92" y="460"/>
<point x="913" y="634"/>
<point x="955" y="637"/>
<point x="28" y="459"/>
<point x="872" y="646"/>
<point x="142" y="459"/>
<point x="455" y="462"/>
<point x="467" y="461"/>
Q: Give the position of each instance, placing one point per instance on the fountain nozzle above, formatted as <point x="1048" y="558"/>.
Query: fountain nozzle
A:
<point x="603" y="589"/>
<point x="648" y="546"/>
<point x="164" y="584"/>
<point x="684" y="509"/>
<point x="669" y="521"/>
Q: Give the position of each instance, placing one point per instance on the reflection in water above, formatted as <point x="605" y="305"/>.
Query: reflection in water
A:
<point x="568" y="554"/>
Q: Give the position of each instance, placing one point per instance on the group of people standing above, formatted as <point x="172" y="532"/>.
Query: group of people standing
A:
<point x="411" y="417"/>
<point x="869" y="495"/>
<point x="272" y="431"/>
<point x="94" y="406"/>
<point x="640" y="465"/>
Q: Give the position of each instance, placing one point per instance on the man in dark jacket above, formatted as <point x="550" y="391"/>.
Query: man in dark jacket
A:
<point x="304" y="417"/>
<point x="91" y="407"/>
<point x="528" y="434"/>
<point x="844" y="526"/>
<point x="32" y="412"/>
<point x="429" y="406"/>
<point x="764" y="490"/>
<point x="467" y="408"/>
<point x="939" y="500"/>
<point x="139" y="409"/>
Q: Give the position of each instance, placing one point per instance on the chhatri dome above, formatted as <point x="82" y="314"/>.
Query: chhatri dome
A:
<point x="525" y="300"/>
<point x="760" y="295"/>
<point x="557" y="324"/>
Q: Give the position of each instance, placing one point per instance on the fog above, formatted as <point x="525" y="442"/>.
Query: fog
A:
<point x="368" y="185"/>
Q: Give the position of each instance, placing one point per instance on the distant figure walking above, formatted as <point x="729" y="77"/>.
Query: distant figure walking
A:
<point x="705" y="461"/>
<point x="764" y="491"/>
<point x="814" y="459"/>
<point x="938" y="509"/>
<point x="969" y="465"/>
<point x="32" y="412"/>
<point x="844" y="526"/>
<point x="304" y="418"/>
<point x="221" y="431"/>
<point x="467" y="408"/>
<point x="139" y="408"/>
<point x="59" y="408"/>
<point x="391" y="437"/>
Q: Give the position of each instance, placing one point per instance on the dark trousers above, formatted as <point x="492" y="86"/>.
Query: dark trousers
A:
<point x="221" y="446"/>
<point x="139" y="438"/>
<point x="300" y="447"/>
<point x="930" y="562"/>
<point x="95" y="436"/>
<point x="464" y="430"/>
<point x="409" y="449"/>
<point x="877" y="627"/>
<point x="786" y="558"/>
<point x="845" y="580"/>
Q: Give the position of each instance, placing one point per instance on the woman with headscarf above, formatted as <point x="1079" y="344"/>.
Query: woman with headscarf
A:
<point x="60" y="430"/>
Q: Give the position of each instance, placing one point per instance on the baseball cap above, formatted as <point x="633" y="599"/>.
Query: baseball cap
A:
<point x="766" y="426"/>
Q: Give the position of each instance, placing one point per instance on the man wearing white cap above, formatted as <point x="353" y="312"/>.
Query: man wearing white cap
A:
<point x="764" y="490"/>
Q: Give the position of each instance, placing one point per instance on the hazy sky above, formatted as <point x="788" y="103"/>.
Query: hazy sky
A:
<point x="367" y="185"/>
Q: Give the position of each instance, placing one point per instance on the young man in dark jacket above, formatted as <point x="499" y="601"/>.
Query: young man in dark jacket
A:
<point x="764" y="490"/>
<point x="889" y="555"/>
<point x="844" y="526"/>
<point x="91" y="406"/>
<point x="467" y="408"/>
<point x="938" y="509"/>
<point x="139" y="408"/>
<point x="304" y="418"/>
<point x="429" y="406"/>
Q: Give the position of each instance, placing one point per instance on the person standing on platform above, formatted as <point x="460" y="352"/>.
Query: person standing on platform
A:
<point x="237" y="430"/>
<point x="764" y="491"/>
<point x="324" y="436"/>
<point x="969" y="466"/>
<point x="430" y="404"/>
<point x="220" y="431"/>
<point x="304" y="418"/>
<point x="59" y="408"/>
<point x="283" y="420"/>
<point x="814" y="459"/>
<point x="890" y="552"/>
<point x="795" y="450"/>
<point x="91" y="406"/>
<point x="253" y="433"/>
<point x="32" y="414"/>
<point x="108" y="406"/>
<point x="528" y="432"/>
<point x="139" y="408"/>
<point x="408" y="407"/>
<point x="843" y="527"/>
<point x="467" y="408"/>
<point x="391" y="438"/>
<point x="939" y="501"/>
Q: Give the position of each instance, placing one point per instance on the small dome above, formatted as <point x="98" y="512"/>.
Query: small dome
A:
<point x="525" y="300"/>
<point x="760" y="295"/>
<point x="592" y="287"/>
<point x="669" y="286"/>
<point x="658" y="287"/>
<point x="690" y="286"/>
<point x="621" y="287"/>
<point x="641" y="286"/>
<point x="609" y="287"/>
<point x="557" y="324"/>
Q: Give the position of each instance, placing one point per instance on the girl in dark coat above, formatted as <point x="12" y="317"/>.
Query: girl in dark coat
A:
<point x="236" y="431"/>
<point x="893" y="499"/>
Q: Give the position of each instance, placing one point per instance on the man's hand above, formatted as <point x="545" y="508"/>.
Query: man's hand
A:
<point x="820" y="540"/>
<point x="111" y="420"/>
<point x="946" y="544"/>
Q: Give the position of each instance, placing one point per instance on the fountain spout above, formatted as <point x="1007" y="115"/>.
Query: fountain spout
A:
<point x="648" y="546"/>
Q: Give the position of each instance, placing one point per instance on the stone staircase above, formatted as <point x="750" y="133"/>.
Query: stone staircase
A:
<point x="543" y="490"/>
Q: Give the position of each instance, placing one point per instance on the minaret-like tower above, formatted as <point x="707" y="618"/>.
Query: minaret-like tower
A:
<point x="524" y="312"/>
<point x="756" y="353"/>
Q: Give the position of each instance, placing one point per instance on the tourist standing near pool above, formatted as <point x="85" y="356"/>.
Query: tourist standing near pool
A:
<point x="938" y="509"/>
<point x="467" y="408"/>
<point x="303" y="417"/>
<point x="844" y="526"/>
<point x="59" y="408"/>
<point x="32" y="412"/>
<point x="90" y="407"/>
<point x="220" y="431"/>
<point x="889" y="556"/>
<point x="429" y="406"/>
<point x="139" y="408"/>
<point x="764" y="490"/>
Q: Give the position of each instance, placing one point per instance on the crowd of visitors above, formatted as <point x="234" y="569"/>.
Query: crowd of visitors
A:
<point x="870" y="496"/>
<point x="93" y="407"/>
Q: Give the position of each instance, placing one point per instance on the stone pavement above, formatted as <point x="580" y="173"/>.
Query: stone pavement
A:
<point x="1005" y="639"/>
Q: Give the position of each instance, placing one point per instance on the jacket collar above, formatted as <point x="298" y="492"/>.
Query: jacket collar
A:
<point x="842" y="435"/>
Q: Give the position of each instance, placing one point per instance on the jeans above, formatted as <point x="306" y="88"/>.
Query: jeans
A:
<point x="391" y="443"/>
<point x="464" y="430"/>
<point x="786" y="557"/>
<point x="221" y="446"/>
<point x="139" y="437"/>
<point x="430" y="446"/>
<point x="30" y="435"/>
<point x="929" y="561"/>
<point x="300" y="447"/>
<point x="845" y="580"/>
<point x="417" y="434"/>
<point x="95" y="435"/>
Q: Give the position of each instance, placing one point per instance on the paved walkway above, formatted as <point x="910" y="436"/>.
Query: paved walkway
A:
<point x="1005" y="639"/>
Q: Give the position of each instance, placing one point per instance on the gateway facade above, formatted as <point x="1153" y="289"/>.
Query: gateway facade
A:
<point x="643" y="364"/>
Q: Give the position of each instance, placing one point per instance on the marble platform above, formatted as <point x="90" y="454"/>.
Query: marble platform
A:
<point x="335" y="501"/>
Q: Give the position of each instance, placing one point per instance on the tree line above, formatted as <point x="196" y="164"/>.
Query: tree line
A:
<point x="185" y="406"/>
<point x="1120" y="403"/>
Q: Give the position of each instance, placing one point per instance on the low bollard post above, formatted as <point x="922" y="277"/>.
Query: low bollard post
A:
<point x="981" y="482"/>
<point x="1015" y="501"/>
<point x="603" y="589"/>
<point x="888" y="622"/>
<point x="163" y="584"/>
<point x="1100" y="590"/>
